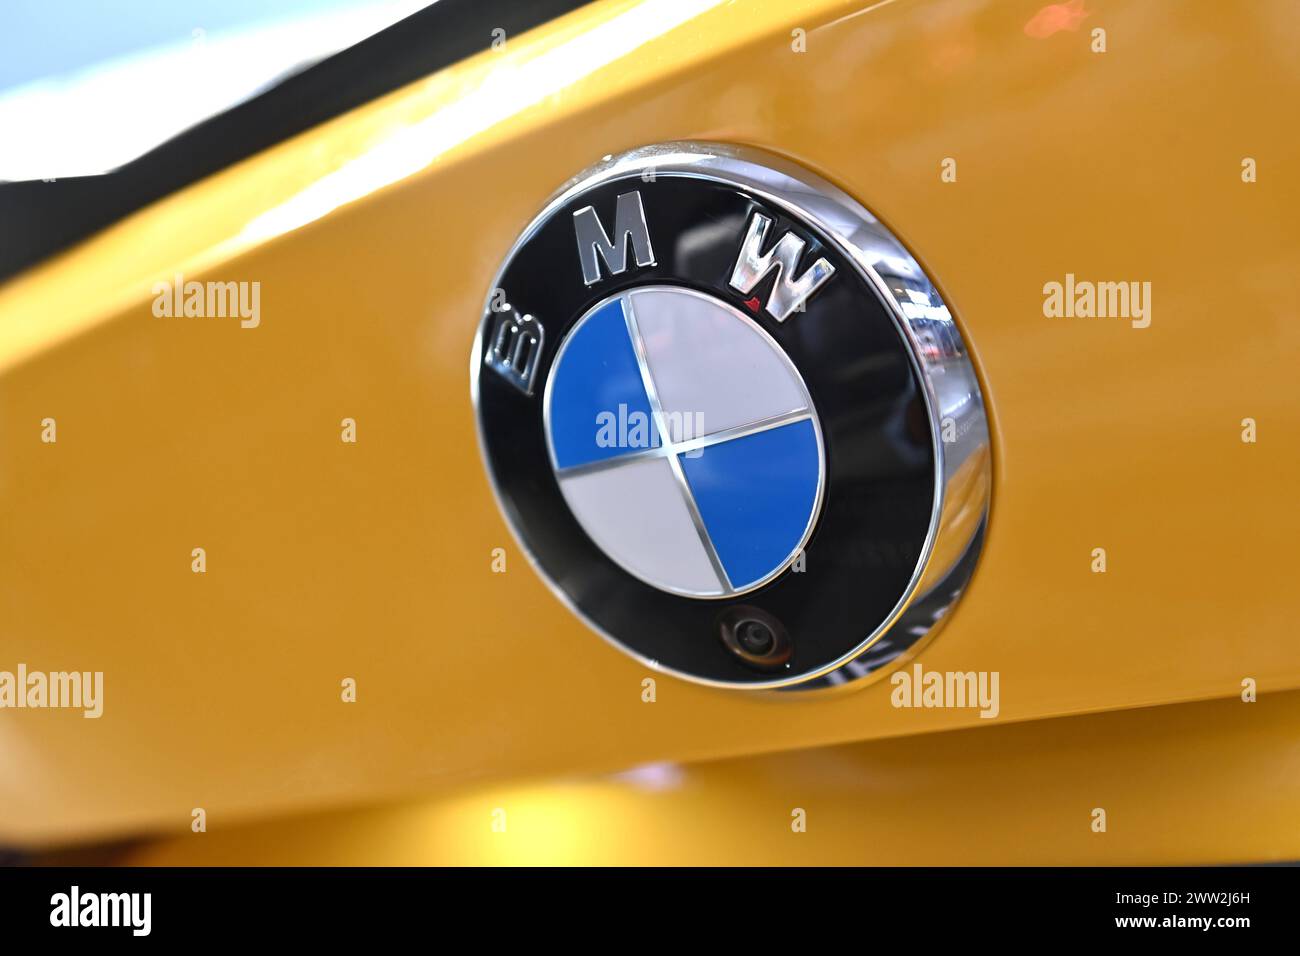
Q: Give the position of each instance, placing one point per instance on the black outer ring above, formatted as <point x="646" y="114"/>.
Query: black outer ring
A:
<point x="880" y="463"/>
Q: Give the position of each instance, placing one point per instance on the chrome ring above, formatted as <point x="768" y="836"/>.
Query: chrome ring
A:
<point x="954" y="402"/>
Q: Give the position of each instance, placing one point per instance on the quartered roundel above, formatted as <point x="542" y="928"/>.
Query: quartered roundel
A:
<point x="701" y="420"/>
<point x="731" y="421"/>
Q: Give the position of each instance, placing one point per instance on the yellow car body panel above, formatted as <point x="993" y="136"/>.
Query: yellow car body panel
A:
<point x="374" y="238"/>
<point x="1172" y="782"/>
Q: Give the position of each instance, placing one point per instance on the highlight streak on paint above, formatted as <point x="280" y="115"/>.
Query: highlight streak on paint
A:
<point x="1055" y="18"/>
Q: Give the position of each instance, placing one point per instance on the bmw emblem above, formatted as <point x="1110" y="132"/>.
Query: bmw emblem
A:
<point x="731" y="420"/>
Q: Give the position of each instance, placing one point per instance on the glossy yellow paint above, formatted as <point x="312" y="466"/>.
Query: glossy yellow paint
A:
<point x="374" y="238"/>
<point x="1215" y="781"/>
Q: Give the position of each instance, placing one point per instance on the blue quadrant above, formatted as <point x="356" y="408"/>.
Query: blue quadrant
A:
<point x="756" y="495"/>
<point x="597" y="374"/>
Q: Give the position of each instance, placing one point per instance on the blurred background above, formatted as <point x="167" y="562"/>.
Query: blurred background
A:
<point x="86" y="86"/>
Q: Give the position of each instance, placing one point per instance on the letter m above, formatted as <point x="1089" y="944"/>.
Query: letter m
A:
<point x="788" y="293"/>
<point x="629" y="223"/>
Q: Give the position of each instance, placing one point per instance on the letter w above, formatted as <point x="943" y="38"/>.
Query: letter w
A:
<point x="788" y="293"/>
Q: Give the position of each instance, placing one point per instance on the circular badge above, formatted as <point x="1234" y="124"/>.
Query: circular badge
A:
<point x="701" y="419"/>
<point x="731" y="420"/>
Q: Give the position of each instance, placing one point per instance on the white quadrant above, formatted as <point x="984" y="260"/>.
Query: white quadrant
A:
<point x="713" y="367"/>
<point x="636" y="513"/>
